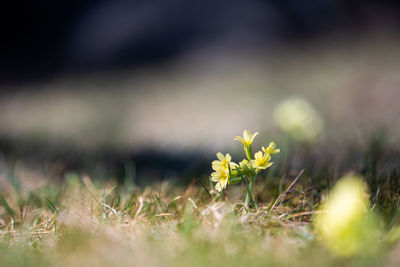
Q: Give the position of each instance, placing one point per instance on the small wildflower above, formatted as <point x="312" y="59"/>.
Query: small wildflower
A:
<point x="247" y="138"/>
<point x="222" y="168"/>
<point x="223" y="162"/>
<point x="227" y="172"/>
<point x="221" y="178"/>
<point x="271" y="149"/>
<point x="261" y="161"/>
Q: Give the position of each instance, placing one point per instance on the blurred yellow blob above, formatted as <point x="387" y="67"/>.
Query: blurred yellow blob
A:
<point x="299" y="119"/>
<point x="345" y="222"/>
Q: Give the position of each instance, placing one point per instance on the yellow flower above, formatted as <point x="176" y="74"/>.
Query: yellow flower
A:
<point x="221" y="168"/>
<point x="221" y="178"/>
<point x="247" y="138"/>
<point x="261" y="161"/>
<point x="222" y="163"/>
<point x="271" y="149"/>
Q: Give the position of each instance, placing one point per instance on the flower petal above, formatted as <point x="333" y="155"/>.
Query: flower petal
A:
<point x="253" y="136"/>
<point x="220" y="156"/>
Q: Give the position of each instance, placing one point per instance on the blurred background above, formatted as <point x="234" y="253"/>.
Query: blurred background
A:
<point x="150" y="90"/>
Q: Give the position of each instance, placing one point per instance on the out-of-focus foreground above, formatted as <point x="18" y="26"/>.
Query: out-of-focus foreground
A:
<point x="82" y="222"/>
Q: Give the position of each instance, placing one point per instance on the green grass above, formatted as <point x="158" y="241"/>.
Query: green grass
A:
<point x="82" y="223"/>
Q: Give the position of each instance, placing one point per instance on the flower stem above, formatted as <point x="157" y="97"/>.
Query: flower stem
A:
<point x="249" y="195"/>
<point x="249" y="198"/>
<point x="247" y="151"/>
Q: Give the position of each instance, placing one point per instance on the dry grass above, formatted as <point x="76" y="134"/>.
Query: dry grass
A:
<point x="81" y="223"/>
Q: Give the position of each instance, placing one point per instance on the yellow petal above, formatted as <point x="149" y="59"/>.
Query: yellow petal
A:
<point x="253" y="136"/>
<point x="258" y="155"/>
<point x="215" y="177"/>
<point x="220" y="156"/>
<point x="240" y="139"/>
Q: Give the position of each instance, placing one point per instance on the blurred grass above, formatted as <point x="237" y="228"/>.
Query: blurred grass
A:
<point x="93" y="223"/>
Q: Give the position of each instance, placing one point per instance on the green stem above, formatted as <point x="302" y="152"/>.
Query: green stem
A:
<point x="249" y="194"/>
<point x="249" y="198"/>
<point x="247" y="151"/>
<point x="230" y="183"/>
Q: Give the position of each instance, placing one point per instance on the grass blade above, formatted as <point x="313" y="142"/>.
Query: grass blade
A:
<point x="280" y="198"/>
<point x="205" y="189"/>
<point x="164" y="207"/>
<point x="51" y="205"/>
<point x="7" y="207"/>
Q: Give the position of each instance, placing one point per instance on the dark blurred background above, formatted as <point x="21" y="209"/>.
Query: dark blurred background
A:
<point x="42" y="39"/>
<point x="153" y="89"/>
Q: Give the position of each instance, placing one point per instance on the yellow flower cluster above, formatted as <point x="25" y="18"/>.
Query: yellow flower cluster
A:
<point x="226" y="171"/>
